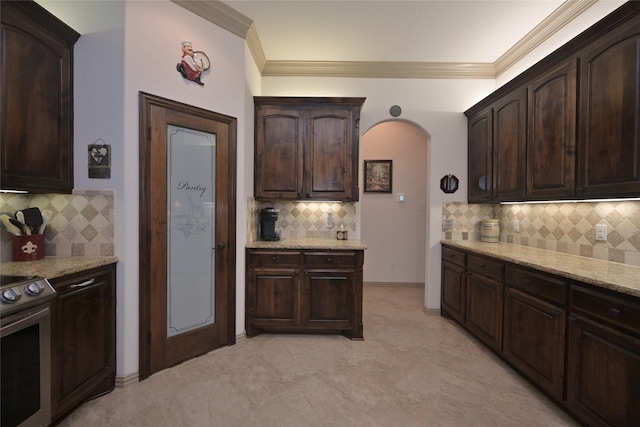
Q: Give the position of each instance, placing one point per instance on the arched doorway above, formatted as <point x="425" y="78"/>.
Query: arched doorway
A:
<point x="394" y="228"/>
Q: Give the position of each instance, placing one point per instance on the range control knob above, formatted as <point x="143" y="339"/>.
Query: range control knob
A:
<point x="33" y="289"/>
<point x="10" y="296"/>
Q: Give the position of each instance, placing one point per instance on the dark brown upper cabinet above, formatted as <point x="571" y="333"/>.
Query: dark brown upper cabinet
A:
<point x="609" y="158"/>
<point x="497" y="151"/>
<point x="306" y="148"/>
<point x="551" y="137"/>
<point x="36" y="153"/>
<point x="581" y="133"/>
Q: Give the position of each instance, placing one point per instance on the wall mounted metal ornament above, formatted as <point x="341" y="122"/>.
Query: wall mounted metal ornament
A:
<point x="99" y="160"/>
<point x="449" y="183"/>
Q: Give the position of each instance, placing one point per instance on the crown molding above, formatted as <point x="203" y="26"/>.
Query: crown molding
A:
<point x="382" y="70"/>
<point x="255" y="47"/>
<point x="218" y="13"/>
<point x="560" y="17"/>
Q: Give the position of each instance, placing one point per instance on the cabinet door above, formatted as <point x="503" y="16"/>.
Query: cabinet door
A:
<point x="272" y="299"/>
<point x="551" y="149"/>
<point x="509" y="139"/>
<point x="329" y="155"/>
<point x="328" y="300"/>
<point x="279" y="135"/>
<point x="603" y="373"/>
<point x="83" y="338"/>
<point x="480" y="157"/>
<point x="534" y="339"/>
<point x="37" y="100"/>
<point x="484" y="309"/>
<point x="609" y="136"/>
<point x="453" y="290"/>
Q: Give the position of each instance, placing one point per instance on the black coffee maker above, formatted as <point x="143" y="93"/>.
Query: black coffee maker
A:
<point x="268" y="219"/>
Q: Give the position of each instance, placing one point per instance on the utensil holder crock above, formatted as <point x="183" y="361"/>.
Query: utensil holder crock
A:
<point x="28" y="248"/>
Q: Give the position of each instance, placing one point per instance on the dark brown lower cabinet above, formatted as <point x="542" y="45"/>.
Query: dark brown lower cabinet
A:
<point x="484" y="309"/>
<point x="579" y="343"/>
<point x="83" y="325"/>
<point x="304" y="292"/>
<point x="454" y="290"/>
<point x="603" y="382"/>
<point x="533" y="339"/>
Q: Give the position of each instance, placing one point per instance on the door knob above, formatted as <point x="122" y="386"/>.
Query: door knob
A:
<point x="220" y="246"/>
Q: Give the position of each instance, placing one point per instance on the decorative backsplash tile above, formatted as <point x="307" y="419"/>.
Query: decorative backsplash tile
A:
<point x="303" y="219"/>
<point x="83" y="223"/>
<point x="561" y="227"/>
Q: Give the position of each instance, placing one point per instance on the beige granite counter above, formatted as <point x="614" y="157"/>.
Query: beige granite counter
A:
<point x="610" y="275"/>
<point x="52" y="267"/>
<point x="322" y="244"/>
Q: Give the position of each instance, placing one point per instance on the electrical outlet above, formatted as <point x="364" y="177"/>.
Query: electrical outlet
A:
<point x="447" y="224"/>
<point x="516" y="226"/>
<point x="601" y="232"/>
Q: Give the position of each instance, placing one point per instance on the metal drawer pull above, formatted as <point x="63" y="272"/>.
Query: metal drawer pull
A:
<point x="329" y="259"/>
<point x="83" y="284"/>
<point x="614" y="312"/>
<point x="274" y="258"/>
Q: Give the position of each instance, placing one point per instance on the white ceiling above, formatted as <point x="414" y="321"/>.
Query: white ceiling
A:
<point x="396" y="31"/>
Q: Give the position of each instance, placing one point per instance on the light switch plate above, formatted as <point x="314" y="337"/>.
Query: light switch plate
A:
<point x="601" y="232"/>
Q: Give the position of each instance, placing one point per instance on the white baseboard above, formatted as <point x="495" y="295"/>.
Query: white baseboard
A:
<point x="123" y="381"/>
<point x="404" y="284"/>
<point x="432" y="311"/>
<point x="241" y="337"/>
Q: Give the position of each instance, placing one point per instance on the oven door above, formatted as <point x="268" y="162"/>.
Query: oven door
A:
<point x="25" y="352"/>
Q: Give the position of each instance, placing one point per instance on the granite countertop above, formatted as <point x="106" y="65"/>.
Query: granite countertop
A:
<point x="52" y="267"/>
<point x="605" y="274"/>
<point x="330" y="244"/>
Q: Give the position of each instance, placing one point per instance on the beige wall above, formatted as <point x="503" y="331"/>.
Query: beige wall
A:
<point x="561" y="227"/>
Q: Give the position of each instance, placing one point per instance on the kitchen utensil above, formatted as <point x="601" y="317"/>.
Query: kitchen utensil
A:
<point x="33" y="218"/>
<point x="17" y="224"/>
<point x="4" y="218"/>
<point x="46" y="218"/>
<point x="25" y="228"/>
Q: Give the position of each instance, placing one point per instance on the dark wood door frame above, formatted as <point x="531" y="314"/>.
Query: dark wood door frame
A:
<point x="146" y="102"/>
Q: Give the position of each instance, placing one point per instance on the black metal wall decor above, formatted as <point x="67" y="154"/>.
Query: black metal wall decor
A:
<point x="449" y="183"/>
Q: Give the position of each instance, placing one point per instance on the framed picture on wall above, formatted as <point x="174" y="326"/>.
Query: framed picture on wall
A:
<point x="378" y="175"/>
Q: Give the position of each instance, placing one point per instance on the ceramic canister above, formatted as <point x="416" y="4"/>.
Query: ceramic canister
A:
<point x="490" y="231"/>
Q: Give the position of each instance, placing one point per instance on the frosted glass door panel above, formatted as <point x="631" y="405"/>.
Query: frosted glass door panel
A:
<point x="191" y="161"/>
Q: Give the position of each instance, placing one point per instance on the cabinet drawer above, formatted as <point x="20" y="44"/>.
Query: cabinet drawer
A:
<point x="606" y="307"/>
<point x="329" y="259"/>
<point x="485" y="266"/>
<point x="540" y="285"/>
<point x="454" y="256"/>
<point x="269" y="258"/>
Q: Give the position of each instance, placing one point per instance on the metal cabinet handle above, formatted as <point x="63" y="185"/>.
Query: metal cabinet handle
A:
<point x="329" y="259"/>
<point x="615" y="312"/>
<point x="83" y="284"/>
<point x="273" y="258"/>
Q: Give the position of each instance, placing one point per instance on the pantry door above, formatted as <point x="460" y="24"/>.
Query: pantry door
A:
<point x="187" y="232"/>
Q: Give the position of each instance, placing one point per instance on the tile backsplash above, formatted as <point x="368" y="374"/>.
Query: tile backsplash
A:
<point x="83" y="223"/>
<point x="303" y="219"/>
<point x="561" y="227"/>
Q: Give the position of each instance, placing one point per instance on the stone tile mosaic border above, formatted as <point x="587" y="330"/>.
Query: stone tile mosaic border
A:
<point x="303" y="219"/>
<point x="83" y="223"/>
<point x="561" y="227"/>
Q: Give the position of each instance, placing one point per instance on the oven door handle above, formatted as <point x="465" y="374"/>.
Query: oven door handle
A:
<point x="13" y="326"/>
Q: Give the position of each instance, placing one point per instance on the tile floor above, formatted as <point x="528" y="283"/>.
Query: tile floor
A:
<point x="411" y="370"/>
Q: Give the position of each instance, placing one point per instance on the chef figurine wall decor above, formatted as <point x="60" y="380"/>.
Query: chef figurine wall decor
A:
<point x="193" y="64"/>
